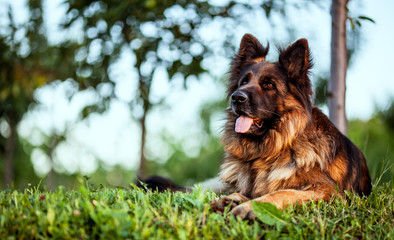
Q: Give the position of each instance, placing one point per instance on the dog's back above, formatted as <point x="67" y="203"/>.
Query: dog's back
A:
<point x="348" y="167"/>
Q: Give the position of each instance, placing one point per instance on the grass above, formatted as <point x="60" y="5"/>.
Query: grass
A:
<point x="105" y="213"/>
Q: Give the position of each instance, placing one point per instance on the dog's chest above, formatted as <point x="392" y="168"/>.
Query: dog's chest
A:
<point x="238" y="175"/>
<point x="260" y="177"/>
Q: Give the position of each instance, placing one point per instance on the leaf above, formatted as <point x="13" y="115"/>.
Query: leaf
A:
<point x="50" y="216"/>
<point x="269" y="214"/>
<point x="366" y="18"/>
<point x="352" y="23"/>
<point x="150" y="4"/>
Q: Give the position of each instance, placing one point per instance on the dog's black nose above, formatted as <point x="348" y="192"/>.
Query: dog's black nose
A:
<point x="239" y="97"/>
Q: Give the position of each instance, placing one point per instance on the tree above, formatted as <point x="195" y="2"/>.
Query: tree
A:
<point x="30" y="61"/>
<point x="340" y="57"/>
<point x="161" y="34"/>
<point x="117" y="25"/>
<point x="26" y="63"/>
<point x="337" y="83"/>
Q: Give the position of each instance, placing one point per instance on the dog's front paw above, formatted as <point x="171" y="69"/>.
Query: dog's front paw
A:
<point x="230" y="201"/>
<point x="221" y="204"/>
<point x="244" y="211"/>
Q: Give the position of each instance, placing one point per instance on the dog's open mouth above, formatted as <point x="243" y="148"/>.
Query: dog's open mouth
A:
<point x="244" y="123"/>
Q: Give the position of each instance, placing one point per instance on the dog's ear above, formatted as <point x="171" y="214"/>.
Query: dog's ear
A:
<point x="296" y="60"/>
<point x="250" y="51"/>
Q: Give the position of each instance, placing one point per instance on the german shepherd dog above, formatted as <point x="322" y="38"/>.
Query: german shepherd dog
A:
<point x="279" y="148"/>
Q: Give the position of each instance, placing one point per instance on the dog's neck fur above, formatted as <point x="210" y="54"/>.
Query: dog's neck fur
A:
<point x="271" y="144"/>
<point x="271" y="154"/>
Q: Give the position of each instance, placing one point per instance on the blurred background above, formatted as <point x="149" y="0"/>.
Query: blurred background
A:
<point x="112" y="89"/>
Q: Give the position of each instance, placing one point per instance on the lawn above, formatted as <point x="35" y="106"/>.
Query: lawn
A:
<point x="118" y="213"/>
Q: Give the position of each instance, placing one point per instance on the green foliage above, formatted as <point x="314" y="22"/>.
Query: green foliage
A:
<point x="105" y="213"/>
<point x="375" y="139"/>
<point x="321" y="85"/>
<point x="356" y="22"/>
<point x="269" y="214"/>
<point x="186" y="169"/>
<point x="115" y="26"/>
<point x="29" y="61"/>
<point x="114" y="176"/>
<point x="160" y="34"/>
<point x="388" y="116"/>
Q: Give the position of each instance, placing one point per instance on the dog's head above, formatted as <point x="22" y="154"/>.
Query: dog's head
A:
<point x="262" y="92"/>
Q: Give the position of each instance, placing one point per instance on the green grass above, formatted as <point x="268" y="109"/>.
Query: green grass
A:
<point x="105" y="213"/>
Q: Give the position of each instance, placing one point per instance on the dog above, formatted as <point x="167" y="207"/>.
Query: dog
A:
<point x="279" y="148"/>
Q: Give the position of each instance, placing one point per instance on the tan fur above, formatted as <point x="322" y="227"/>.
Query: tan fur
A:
<point x="260" y="59"/>
<point x="282" y="173"/>
<point x="280" y="199"/>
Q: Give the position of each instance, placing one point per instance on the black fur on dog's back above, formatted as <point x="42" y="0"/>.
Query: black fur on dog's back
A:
<point x="160" y="184"/>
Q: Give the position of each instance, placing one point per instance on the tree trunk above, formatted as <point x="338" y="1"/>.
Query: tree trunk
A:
<point x="10" y="146"/>
<point x="337" y="83"/>
<point x="51" y="179"/>
<point x="144" y="88"/>
<point x="142" y="167"/>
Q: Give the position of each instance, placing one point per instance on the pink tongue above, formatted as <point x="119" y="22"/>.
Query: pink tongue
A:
<point x="243" y="124"/>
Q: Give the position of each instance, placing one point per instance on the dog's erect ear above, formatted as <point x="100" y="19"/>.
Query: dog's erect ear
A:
<point x="296" y="60"/>
<point x="250" y="51"/>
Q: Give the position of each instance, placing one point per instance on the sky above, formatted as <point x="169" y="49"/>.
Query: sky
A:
<point x="113" y="136"/>
<point x="369" y="80"/>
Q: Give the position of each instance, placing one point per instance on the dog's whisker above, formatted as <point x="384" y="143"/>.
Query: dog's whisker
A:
<point x="265" y="110"/>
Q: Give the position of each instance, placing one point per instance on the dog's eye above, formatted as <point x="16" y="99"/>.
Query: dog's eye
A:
<point x="267" y="84"/>
<point x="244" y="81"/>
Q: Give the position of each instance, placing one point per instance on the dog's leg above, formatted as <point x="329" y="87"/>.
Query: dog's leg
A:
<point x="233" y="200"/>
<point x="280" y="199"/>
<point x="214" y="184"/>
